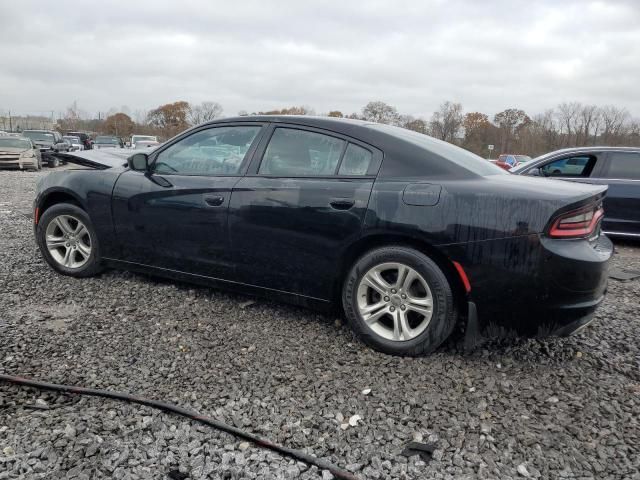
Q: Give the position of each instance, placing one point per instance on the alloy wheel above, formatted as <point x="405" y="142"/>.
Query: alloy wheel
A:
<point x="395" y="301"/>
<point x="68" y="241"/>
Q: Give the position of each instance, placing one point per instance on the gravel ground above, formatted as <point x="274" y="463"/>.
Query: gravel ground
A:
<point x="553" y="408"/>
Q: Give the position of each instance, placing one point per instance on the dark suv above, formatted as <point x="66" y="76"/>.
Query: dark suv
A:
<point x="618" y="167"/>
<point x="49" y="142"/>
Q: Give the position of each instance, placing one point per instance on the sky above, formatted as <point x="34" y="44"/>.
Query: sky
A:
<point x="327" y="55"/>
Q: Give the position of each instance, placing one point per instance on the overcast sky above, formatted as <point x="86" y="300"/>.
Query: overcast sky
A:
<point x="328" y="55"/>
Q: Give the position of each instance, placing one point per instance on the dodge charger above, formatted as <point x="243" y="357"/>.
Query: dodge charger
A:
<point x="412" y="238"/>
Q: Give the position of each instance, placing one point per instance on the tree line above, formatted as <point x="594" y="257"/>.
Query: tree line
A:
<point x="509" y="131"/>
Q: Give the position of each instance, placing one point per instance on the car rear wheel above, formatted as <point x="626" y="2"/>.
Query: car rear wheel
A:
<point x="55" y="163"/>
<point x="398" y="301"/>
<point x="68" y="241"/>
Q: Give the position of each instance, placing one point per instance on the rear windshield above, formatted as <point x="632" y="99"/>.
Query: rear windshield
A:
<point x="457" y="155"/>
<point x="111" y="140"/>
<point x="12" y="142"/>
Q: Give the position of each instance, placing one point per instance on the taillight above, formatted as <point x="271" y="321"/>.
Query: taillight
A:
<point x="577" y="224"/>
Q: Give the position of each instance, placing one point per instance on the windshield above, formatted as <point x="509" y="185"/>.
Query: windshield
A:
<point x="72" y="139"/>
<point x="39" y="136"/>
<point x="523" y="158"/>
<point x="109" y="140"/>
<point x="457" y="155"/>
<point x="139" y="138"/>
<point x="12" y="142"/>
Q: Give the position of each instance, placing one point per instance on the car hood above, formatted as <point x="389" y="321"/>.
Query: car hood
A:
<point x="101" y="158"/>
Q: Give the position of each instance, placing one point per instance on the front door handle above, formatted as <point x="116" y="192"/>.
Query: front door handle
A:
<point x="214" y="200"/>
<point x="342" y="203"/>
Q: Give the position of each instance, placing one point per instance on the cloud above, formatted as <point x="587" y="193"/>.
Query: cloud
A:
<point x="256" y="55"/>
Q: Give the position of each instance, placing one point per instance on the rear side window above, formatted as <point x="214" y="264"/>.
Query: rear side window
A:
<point x="624" y="165"/>
<point x="300" y="153"/>
<point x="356" y="161"/>
<point x="577" y="166"/>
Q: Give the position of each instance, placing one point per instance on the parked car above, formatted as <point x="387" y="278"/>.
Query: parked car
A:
<point x="502" y="165"/>
<point x="507" y="161"/>
<point x="76" y="143"/>
<point x="135" y="139"/>
<point x="84" y="137"/>
<point x="3" y="133"/>
<point x="105" y="141"/>
<point x="411" y="236"/>
<point x="50" y="144"/>
<point x="142" y="144"/>
<point x="19" y="152"/>
<point x="617" y="167"/>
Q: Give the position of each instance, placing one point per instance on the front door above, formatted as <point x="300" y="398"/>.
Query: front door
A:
<point x="175" y="216"/>
<point x="622" y="203"/>
<point x="301" y="204"/>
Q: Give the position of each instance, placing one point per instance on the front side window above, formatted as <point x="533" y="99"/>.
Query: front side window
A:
<point x="295" y="153"/>
<point x="578" y="166"/>
<point x="624" y="165"/>
<point x="356" y="161"/>
<point x="214" y="151"/>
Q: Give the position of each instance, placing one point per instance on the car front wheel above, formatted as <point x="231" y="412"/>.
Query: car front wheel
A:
<point x="68" y="241"/>
<point x="399" y="301"/>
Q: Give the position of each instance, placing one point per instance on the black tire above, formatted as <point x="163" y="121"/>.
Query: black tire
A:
<point x="93" y="264"/>
<point x="54" y="162"/>
<point x="444" y="314"/>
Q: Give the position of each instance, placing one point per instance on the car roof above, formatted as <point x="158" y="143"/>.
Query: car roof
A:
<point x="592" y="149"/>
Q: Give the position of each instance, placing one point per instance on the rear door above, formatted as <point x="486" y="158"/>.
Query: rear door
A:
<point x="622" y="204"/>
<point x="300" y="205"/>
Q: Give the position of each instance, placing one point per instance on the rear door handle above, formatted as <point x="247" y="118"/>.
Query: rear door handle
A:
<point x="342" y="203"/>
<point x="214" y="200"/>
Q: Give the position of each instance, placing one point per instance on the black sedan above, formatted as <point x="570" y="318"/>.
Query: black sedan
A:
<point x="617" y="167"/>
<point x="411" y="236"/>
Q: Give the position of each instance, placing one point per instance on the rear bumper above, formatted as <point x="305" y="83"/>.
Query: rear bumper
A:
<point x="536" y="286"/>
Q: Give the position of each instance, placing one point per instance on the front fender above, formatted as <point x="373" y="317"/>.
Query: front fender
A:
<point x="92" y="191"/>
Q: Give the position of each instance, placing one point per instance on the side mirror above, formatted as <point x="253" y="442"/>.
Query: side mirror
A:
<point x="139" y="162"/>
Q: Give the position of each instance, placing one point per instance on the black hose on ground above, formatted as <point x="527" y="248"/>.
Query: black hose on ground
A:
<point x="170" y="408"/>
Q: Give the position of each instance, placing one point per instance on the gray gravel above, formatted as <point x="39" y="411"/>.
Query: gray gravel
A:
<point x="553" y="408"/>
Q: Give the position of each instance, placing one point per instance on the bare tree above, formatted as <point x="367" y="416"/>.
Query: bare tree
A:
<point x="510" y="122"/>
<point x="568" y="121"/>
<point x="613" y="122"/>
<point x="446" y="123"/>
<point x="589" y="125"/>
<point x="205" y="112"/>
<point x="380" y="112"/>
<point x="411" y="123"/>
